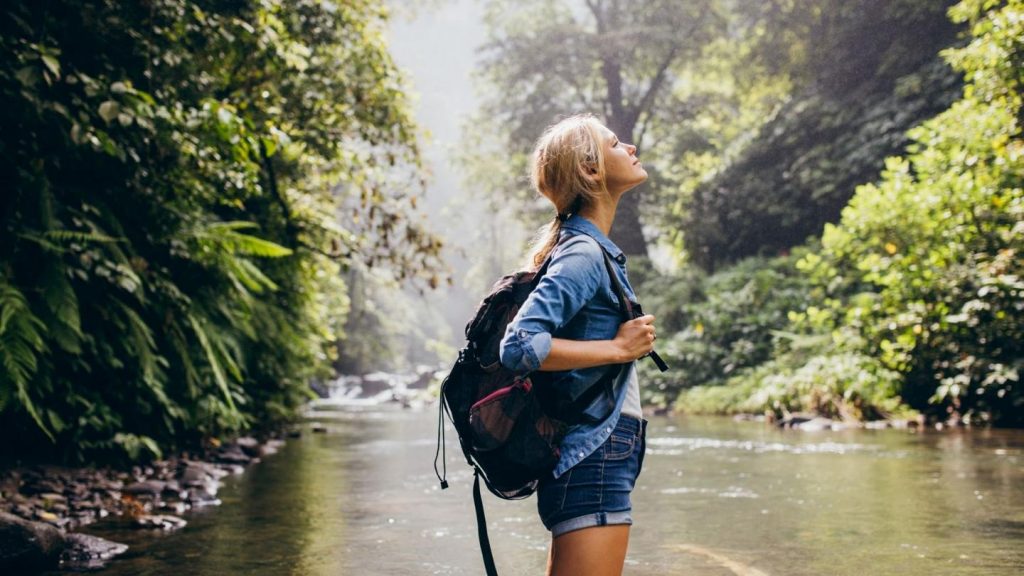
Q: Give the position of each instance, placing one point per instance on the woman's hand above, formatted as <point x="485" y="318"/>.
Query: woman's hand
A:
<point x="636" y="337"/>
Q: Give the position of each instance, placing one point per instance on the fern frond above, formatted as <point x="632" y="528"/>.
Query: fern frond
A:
<point x="176" y="335"/>
<point x="84" y="237"/>
<point x="256" y="276"/>
<point x="251" y="245"/>
<point x="212" y="360"/>
<point x="150" y="363"/>
<point x="225" y="236"/>
<point x="42" y="242"/>
<point x="55" y="241"/>
<point x="21" y="344"/>
<point x="62" y="304"/>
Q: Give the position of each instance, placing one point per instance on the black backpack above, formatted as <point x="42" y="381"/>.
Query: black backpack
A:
<point x="510" y="425"/>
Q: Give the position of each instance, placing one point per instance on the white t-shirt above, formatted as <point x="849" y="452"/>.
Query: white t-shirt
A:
<point x="631" y="405"/>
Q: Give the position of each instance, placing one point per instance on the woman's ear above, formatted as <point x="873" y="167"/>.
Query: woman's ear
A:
<point x="589" y="171"/>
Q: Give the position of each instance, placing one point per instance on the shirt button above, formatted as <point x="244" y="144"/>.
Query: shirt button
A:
<point x="582" y="455"/>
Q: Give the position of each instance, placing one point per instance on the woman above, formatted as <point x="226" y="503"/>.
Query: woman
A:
<point x="572" y="325"/>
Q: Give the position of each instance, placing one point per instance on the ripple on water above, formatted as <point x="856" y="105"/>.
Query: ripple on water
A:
<point x="674" y="445"/>
<point x="729" y="492"/>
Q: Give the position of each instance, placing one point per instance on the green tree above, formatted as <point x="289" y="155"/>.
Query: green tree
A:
<point x="859" y="75"/>
<point x="620" y="60"/>
<point x="925" y="266"/>
<point x="170" y="243"/>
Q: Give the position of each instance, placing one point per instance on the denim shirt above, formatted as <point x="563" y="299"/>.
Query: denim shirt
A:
<point x="574" y="300"/>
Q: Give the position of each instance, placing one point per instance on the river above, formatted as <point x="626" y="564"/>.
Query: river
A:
<point x="716" y="497"/>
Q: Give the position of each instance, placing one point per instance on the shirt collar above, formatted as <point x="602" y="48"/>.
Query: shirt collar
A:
<point x="578" y="223"/>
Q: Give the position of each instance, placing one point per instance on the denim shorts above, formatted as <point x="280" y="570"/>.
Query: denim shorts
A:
<point x="596" y="491"/>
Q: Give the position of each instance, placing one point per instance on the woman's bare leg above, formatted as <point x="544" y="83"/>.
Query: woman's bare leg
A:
<point x="597" y="551"/>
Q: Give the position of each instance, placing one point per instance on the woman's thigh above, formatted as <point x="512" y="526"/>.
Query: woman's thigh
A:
<point x="596" y="551"/>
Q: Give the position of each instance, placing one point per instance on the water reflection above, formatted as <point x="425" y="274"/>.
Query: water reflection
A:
<point x="716" y="497"/>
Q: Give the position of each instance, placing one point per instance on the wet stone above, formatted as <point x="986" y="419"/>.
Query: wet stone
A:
<point x="27" y="545"/>
<point x="194" y="476"/>
<point x="249" y="445"/>
<point x="107" y="486"/>
<point x="23" y="510"/>
<point x="233" y="455"/>
<point x="61" y="522"/>
<point x="175" y="507"/>
<point x="41" y="486"/>
<point x="79" y="489"/>
<point x="270" y="448"/>
<point x="84" y="517"/>
<point x="160" y="522"/>
<point x="86" y="552"/>
<point x="815" y="424"/>
<point x="201" y="497"/>
<point x="50" y="498"/>
<point x="234" y="469"/>
<point x="45" y="516"/>
<point x="146" y="488"/>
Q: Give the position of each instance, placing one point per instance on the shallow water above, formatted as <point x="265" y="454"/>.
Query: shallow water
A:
<point x="716" y="497"/>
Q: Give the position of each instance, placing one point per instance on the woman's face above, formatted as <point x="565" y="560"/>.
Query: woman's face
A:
<point x="623" y="169"/>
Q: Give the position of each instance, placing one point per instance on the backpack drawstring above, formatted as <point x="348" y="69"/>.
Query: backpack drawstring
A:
<point x="441" y="476"/>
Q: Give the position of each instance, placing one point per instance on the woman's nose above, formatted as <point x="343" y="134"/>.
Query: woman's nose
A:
<point x="632" y="149"/>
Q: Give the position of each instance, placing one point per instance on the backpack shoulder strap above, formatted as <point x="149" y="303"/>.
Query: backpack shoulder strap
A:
<point x="481" y="526"/>
<point x="625" y="306"/>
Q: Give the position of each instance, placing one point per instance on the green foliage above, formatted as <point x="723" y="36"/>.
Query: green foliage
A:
<point x="913" y="301"/>
<point x="844" y="386"/>
<point x="936" y="244"/>
<point x="170" y="249"/>
<point x="861" y="74"/>
<point x="919" y="286"/>
<point x="21" y="343"/>
<point x="720" y="324"/>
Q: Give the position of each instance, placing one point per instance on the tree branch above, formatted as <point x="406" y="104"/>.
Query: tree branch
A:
<point x="659" y="78"/>
<point x="596" y="11"/>
<point x="655" y="85"/>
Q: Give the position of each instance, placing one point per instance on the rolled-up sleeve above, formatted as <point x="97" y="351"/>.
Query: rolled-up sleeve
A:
<point x="573" y="277"/>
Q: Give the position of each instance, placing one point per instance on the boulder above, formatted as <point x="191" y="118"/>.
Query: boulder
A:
<point x="146" y="488"/>
<point x="814" y="424"/>
<point x="232" y="455"/>
<point x="27" y="545"/>
<point x="194" y="476"/>
<point x="249" y="445"/>
<point x="85" y="552"/>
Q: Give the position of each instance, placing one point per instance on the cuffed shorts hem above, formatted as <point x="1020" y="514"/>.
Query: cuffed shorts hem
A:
<point x="592" y="520"/>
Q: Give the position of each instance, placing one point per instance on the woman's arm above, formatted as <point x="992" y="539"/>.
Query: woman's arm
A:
<point x="574" y="276"/>
<point x="634" y="339"/>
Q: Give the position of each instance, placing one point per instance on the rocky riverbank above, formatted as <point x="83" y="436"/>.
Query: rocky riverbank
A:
<point x="41" y="507"/>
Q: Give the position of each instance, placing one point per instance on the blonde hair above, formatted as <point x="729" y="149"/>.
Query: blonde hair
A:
<point x="568" y="169"/>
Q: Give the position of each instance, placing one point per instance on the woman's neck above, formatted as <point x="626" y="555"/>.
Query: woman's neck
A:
<point x="601" y="214"/>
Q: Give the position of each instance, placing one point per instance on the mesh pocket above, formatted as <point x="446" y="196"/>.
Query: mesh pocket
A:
<point x="494" y="416"/>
